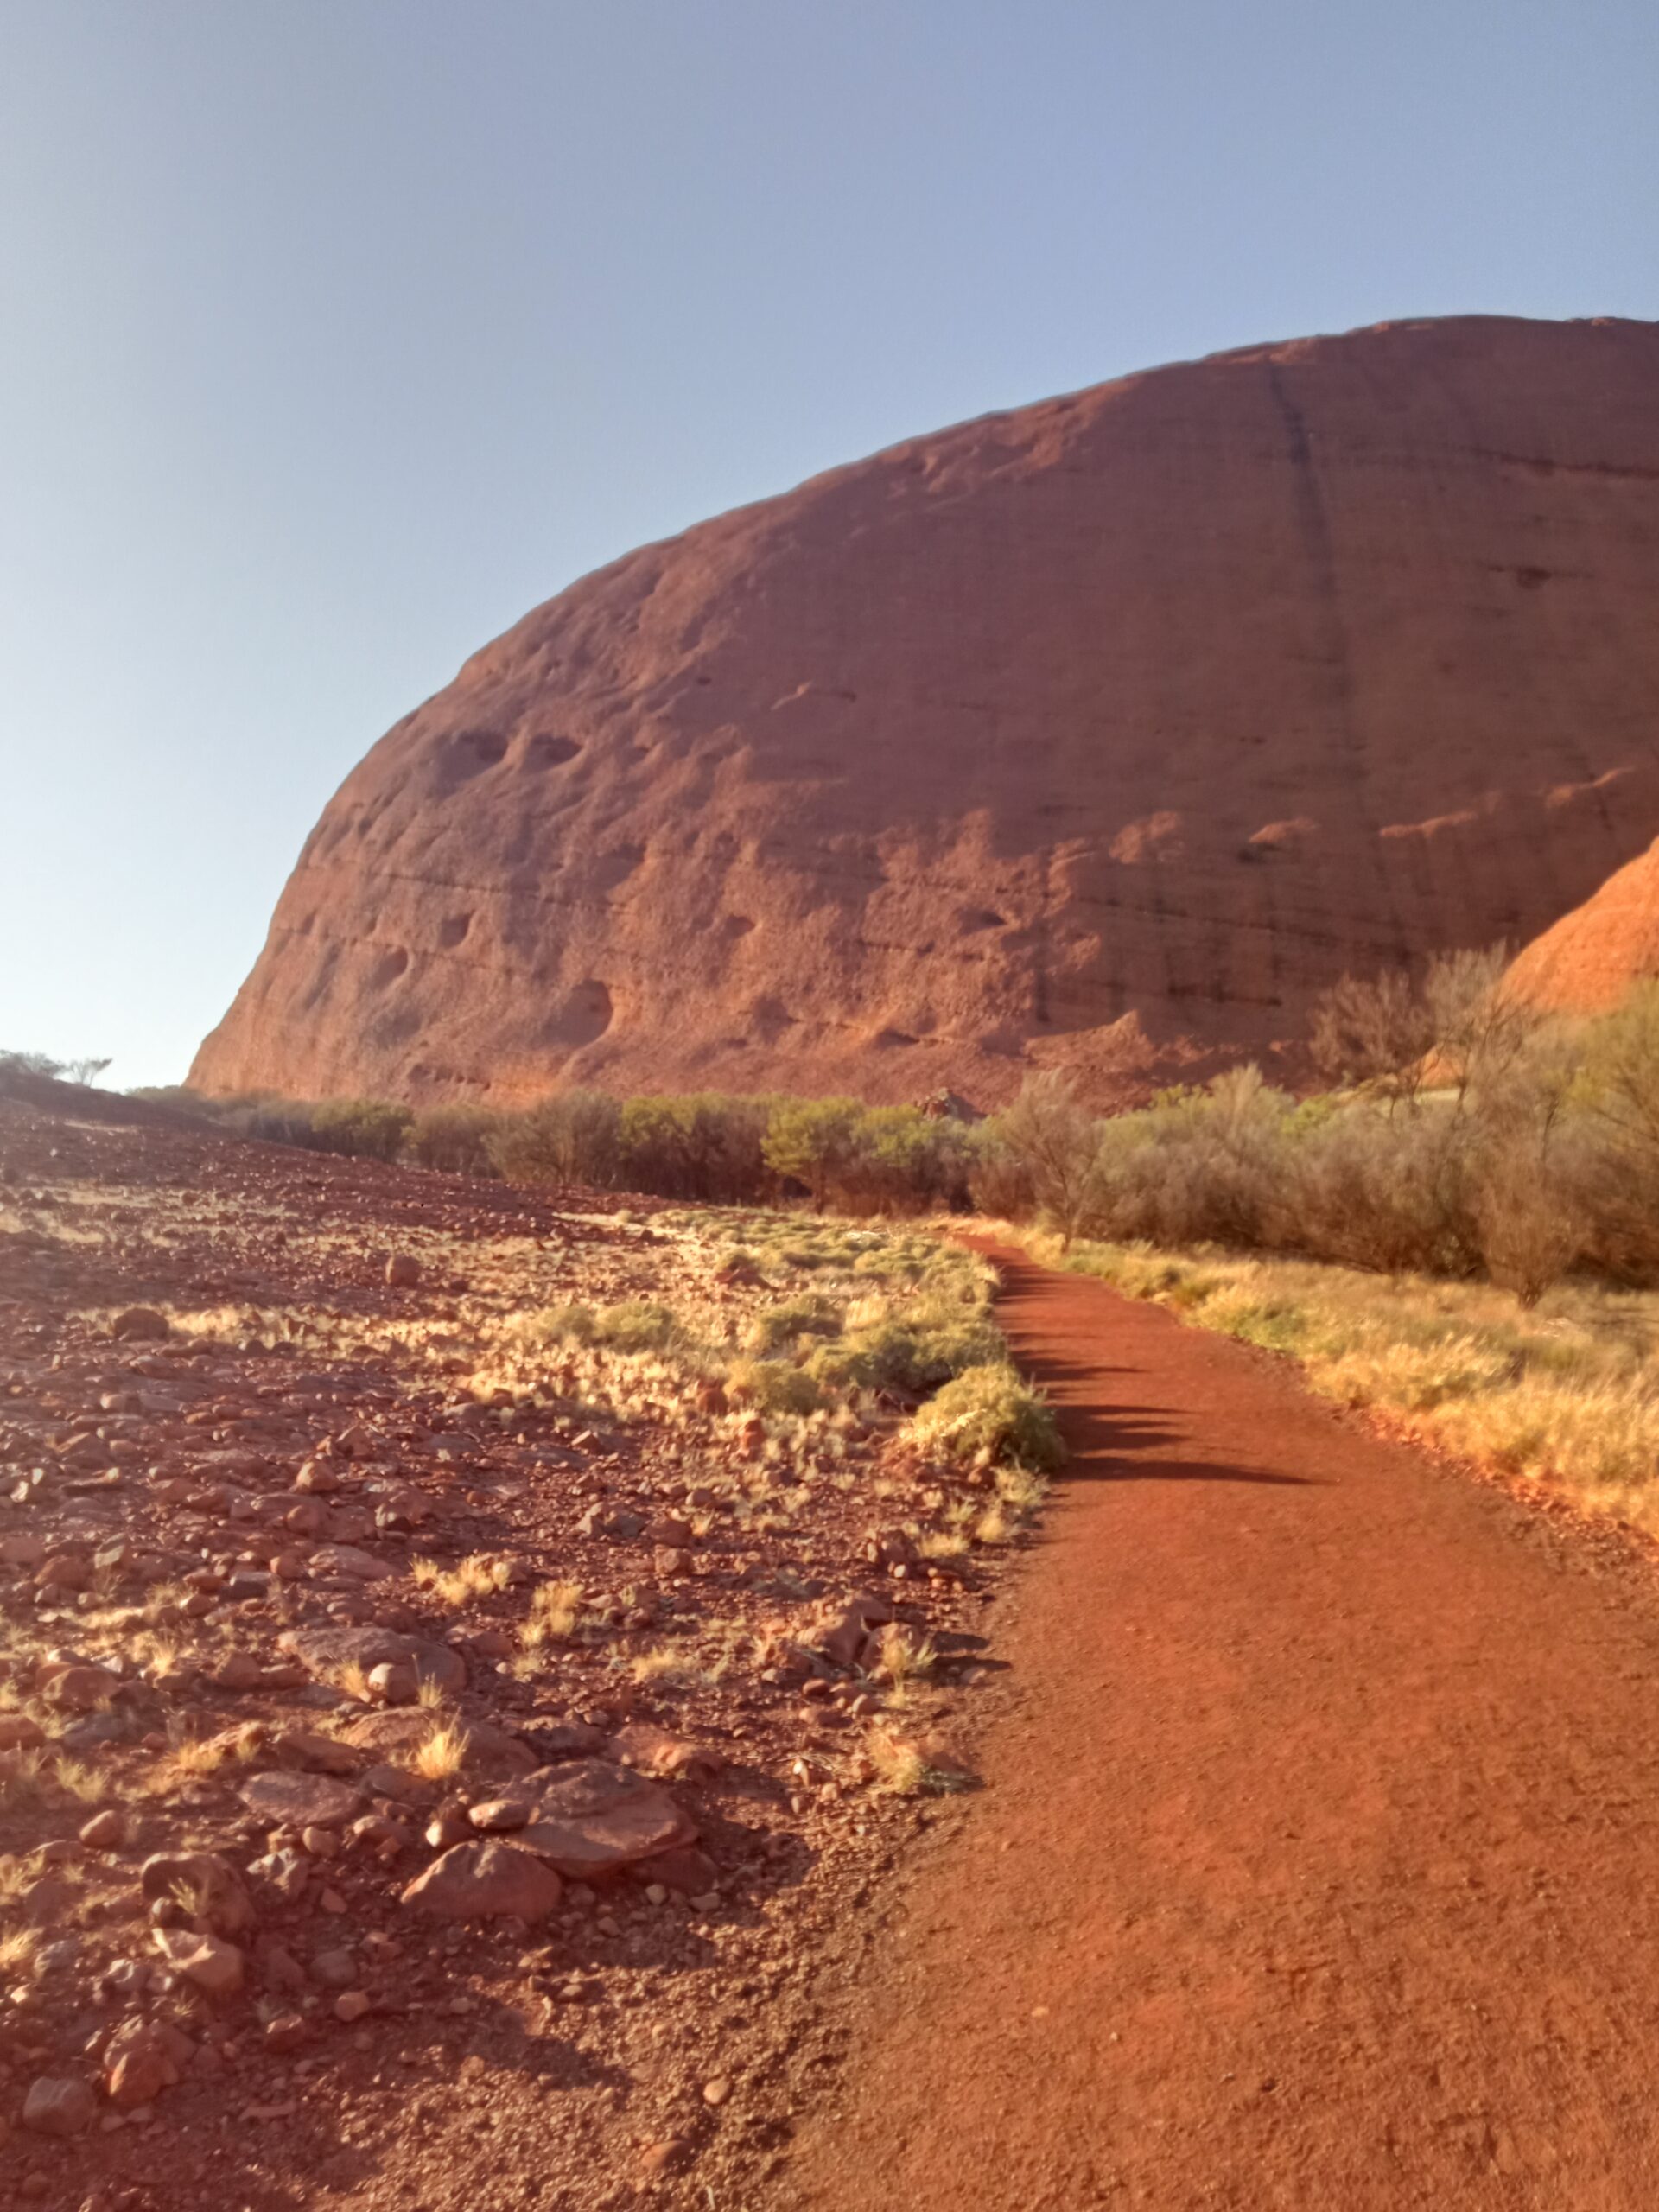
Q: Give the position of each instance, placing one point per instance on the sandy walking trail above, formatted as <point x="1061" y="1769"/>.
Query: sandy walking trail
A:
<point x="1318" y="1865"/>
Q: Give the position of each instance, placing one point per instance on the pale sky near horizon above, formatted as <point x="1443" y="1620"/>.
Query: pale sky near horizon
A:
<point x="336" y="334"/>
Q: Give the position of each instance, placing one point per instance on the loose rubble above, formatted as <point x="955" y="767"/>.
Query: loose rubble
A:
<point x="412" y="1723"/>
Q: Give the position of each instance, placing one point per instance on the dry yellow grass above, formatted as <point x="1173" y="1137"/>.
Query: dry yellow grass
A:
<point x="444" y="1754"/>
<point x="670" y="1662"/>
<point x="24" y="1778"/>
<point x="555" y="1614"/>
<point x="194" y="1757"/>
<point x="903" y="1656"/>
<point x="993" y="1527"/>
<point x="430" y="1694"/>
<point x="19" y="1953"/>
<point x="1566" y="1392"/>
<point x="476" y="1577"/>
<point x="352" y="1678"/>
<point x="900" y="1769"/>
<point x="943" y="1544"/>
<point x="77" y="1780"/>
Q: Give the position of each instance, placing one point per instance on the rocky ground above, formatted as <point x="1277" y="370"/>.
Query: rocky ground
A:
<point x="439" y="1744"/>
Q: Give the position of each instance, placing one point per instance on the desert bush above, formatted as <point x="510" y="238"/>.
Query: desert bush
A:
<point x="1528" y="1218"/>
<point x="637" y="1325"/>
<point x="999" y="1182"/>
<point x="1615" y="1098"/>
<point x="573" y="1137"/>
<point x="1387" y="1193"/>
<point x="704" y="1147"/>
<point x="899" y="1353"/>
<point x="811" y="1142"/>
<point x="1394" y="1034"/>
<point x="575" y="1324"/>
<point x="362" y="1129"/>
<point x="38" y="1064"/>
<point x="779" y="1328"/>
<point x="988" y="1412"/>
<point x="454" y="1139"/>
<point x="899" y="1160"/>
<point x="1055" y="1142"/>
<point x="773" y="1386"/>
<point x="1373" y="1033"/>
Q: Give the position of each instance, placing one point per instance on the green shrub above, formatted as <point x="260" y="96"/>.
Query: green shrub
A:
<point x="454" y="1140"/>
<point x="899" y="1353"/>
<point x="568" y="1325"/>
<point x="989" y="1412"/>
<point x="774" y="1386"/>
<point x="572" y="1138"/>
<point x="811" y="1142"/>
<point x="705" y="1147"/>
<point x="637" y="1325"/>
<point x="777" y="1328"/>
<point x="362" y="1129"/>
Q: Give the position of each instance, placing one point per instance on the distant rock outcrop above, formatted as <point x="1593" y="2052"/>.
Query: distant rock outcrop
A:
<point x="1589" y="960"/>
<point x="1104" y="734"/>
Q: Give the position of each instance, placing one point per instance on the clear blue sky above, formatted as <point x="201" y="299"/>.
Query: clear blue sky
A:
<point x="335" y="333"/>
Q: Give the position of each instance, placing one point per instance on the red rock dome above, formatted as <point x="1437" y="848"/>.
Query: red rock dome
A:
<point x="1591" y="958"/>
<point x="1103" y="733"/>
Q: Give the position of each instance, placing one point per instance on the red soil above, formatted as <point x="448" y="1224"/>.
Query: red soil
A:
<point x="1317" y="1863"/>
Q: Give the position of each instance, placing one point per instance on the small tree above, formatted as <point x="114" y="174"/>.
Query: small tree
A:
<point x="1373" y="1035"/>
<point x="1481" y="1031"/>
<point x="453" y="1139"/>
<point x="1620" y="1079"/>
<point x="573" y="1137"/>
<point x="362" y="1129"/>
<point x="1056" y="1140"/>
<point x="85" y="1072"/>
<point x="813" y="1140"/>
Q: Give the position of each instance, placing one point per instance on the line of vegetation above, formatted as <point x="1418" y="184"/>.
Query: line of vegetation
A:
<point x="1459" y="1134"/>
<point x="1457" y="1230"/>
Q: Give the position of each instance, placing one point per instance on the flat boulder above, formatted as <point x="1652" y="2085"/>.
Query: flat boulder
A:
<point x="331" y="1559"/>
<point x="338" y="1655"/>
<point x="300" y="1801"/>
<point x="485" y="1880"/>
<point x="307" y="1753"/>
<point x="395" y="1737"/>
<point x="59" y="2105"/>
<point x="653" y="1750"/>
<point x="81" y="1689"/>
<point x="140" y="1324"/>
<point x="592" y="1818"/>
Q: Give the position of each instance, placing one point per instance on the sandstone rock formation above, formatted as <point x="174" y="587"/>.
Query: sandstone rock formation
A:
<point x="1592" y="956"/>
<point x="1104" y="733"/>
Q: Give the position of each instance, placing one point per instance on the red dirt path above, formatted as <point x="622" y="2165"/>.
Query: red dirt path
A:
<point x="1319" y="1861"/>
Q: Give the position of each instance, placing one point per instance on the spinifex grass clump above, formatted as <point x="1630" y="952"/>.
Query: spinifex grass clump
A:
<point x="912" y="1345"/>
<point x="637" y="1325"/>
<point x="989" y="1414"/>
